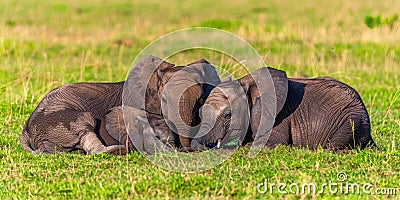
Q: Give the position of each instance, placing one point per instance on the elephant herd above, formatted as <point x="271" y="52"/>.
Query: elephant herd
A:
<point x="162" y="107"/>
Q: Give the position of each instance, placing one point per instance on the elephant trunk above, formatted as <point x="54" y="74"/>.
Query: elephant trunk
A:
<point x="205" y="133"/>
<point x="206" y="126"/>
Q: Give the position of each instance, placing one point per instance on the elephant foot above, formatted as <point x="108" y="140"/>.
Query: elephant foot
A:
<point x="37" y="152"/>
<point x="91" y="144"/>
<point x="114" y="150"/>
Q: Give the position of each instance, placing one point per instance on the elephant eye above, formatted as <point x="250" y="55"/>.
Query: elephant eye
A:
<point x="228" y="115"/>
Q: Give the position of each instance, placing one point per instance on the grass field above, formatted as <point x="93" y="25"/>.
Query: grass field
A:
<point x="44" y="44"/>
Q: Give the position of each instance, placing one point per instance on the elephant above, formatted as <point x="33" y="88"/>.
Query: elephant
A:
<point x="74" y="116"/>
<point x="69" y="118"/>
<point x="139" y="134"/>
<point x="306" y="113"/>
<point x="181" y="92"/>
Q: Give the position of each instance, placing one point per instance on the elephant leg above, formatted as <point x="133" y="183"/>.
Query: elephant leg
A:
<point x="48" y="147"/>
<point x="78" y="132"/>
<point x="84" y="126"/>
<point x="106" y="137"/>
<point x="66" y="130"/>
<point x="92" y="144"/>
<point x="50" y="132"/>
<point x="280" y="135"/>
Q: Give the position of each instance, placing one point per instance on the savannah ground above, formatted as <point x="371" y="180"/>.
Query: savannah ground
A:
<point x="44" y="44"/>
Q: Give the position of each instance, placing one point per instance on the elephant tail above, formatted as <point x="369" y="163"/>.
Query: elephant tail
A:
<point x="25" y="142"/>
<point x="365" y="139"/>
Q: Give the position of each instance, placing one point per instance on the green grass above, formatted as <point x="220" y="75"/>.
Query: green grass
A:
<point x="44" y="44"/>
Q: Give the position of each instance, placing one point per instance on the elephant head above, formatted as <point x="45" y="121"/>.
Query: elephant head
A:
<point x="144" y="136"/>
<point x="176" y="93"/>
<point x="264" y="92"/>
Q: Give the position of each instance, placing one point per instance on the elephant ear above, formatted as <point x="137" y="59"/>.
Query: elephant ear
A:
<point x="256" y="84"/>
<point x="267" y="90"/>
<point x="190" y="87"/>
<point x="201" y="61"/>
<point x="209" y="76"/>
<point x="281" y="87"/>
<point x="142" y="84"/>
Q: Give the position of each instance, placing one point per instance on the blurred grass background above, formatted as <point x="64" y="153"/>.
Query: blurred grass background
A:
<point x="44" y="44"/>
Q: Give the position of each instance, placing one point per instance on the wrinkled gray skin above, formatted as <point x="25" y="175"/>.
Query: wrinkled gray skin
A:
<point x="73" y="116"/>
<point x="182" y="91"/>
<point x="81" y="116"/>
<point x="148" y="136"/>
<point x="310" y="113"/>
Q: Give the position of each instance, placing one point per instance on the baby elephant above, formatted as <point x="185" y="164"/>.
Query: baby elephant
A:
<point x="138" y="130"/>
<point x="69" y="118"/>
<point x="306" y="113"/>
<point x="85" y="117"/>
